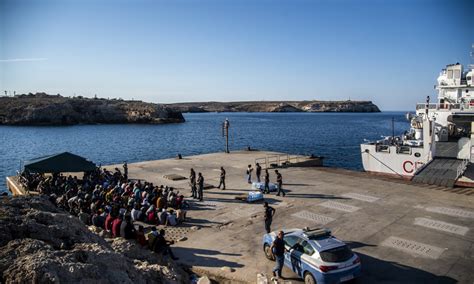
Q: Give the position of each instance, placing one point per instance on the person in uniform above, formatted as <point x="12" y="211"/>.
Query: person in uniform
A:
<point x="200" y="181"/>
<point x="192" y="183"/>
<point x="222" y="179"/>
<point x="258" y="171"/>
<point x="266" y="189"/>
<point x="280" y="183"/>
<point x="268" y="216"/>
<point x="278" y="250"/>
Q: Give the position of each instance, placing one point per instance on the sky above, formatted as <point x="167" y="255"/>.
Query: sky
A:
<point x="389" y="52"/>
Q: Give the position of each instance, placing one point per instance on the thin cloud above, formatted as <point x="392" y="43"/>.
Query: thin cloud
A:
<point x="23" y="59"/>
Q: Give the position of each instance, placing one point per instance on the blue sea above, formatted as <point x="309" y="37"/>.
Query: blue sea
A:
<point x="336" y="136"/>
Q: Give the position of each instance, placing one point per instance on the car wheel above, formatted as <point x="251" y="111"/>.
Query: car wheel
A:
<point x="309" y="279"/>
<point x="268" y="252"/>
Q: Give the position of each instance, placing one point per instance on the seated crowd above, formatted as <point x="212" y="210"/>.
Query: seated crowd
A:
<point x="110" y="201"/>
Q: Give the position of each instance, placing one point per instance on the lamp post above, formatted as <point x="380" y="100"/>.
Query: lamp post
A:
<point x="225" y="133"/>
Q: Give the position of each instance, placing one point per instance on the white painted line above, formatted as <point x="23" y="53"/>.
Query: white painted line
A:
<point x="320" y="219"/>
<point x="178" y="169"/>
<point x="216" y="170"/>
<point x="339" y="206"/>
<point x="362" y="197"/>
<point x="441" y="226"/>
<point x="413" y="247"/>
<point x="456" y="212"/>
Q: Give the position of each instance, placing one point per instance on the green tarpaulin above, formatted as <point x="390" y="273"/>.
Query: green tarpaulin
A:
<point x="59" y="163"/>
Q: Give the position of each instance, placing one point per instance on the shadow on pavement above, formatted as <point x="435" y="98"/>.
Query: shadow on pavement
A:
<point x="375" y="270"/>
<point x="204" y="257"/>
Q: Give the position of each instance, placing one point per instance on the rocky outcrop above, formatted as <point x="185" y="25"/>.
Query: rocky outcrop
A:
<point x="43" y="109"/>
<point x="277" y="106"/>
<point x="40" y="243"/>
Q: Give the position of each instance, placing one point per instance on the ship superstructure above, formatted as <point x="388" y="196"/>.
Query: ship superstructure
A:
<point x="438" y="147"/>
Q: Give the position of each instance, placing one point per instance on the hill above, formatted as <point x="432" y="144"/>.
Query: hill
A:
<point x="44" y="109"/>
<point x="277" y="106"/>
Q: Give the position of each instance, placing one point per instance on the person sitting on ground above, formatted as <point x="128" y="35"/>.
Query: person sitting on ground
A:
<point x="171" y="220"/>
<point x="136" y="213"/>
<point x="151" y="215"/>
<point x="163" y="246"/>
<point x="98" y="219"/>
<point x="84" y="217"/>
<point x="140" y="236"/>
<point x="151" y="237"/>
<point x="109" y="221"/>
<point x="179" y="201"/>
<point x="181" y="215"/>
<point x="162" y="217"/>
<point x="129" y="229"/>
<point x="116" y="227"/>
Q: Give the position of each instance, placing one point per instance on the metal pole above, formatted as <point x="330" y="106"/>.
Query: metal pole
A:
<point x="393" y="128"/>
<point x="225" y="129"/>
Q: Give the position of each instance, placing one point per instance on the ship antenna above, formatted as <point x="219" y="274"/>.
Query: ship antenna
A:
<point x="471" y="65"/>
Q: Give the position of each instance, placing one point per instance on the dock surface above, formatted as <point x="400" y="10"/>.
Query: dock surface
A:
<point x="403" y="232"/>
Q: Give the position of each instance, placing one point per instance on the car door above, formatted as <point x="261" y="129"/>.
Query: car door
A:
<point x="295" y="257"/>
<point x="290" y="241"/>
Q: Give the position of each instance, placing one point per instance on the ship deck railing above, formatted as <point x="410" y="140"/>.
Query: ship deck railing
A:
<point x="446" y="106"/>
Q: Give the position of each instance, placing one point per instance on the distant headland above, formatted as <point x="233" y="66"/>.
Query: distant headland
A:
<point x="277" y="106"/>
<point x="44" y="109"/>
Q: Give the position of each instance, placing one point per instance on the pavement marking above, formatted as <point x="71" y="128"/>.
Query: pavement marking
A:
<point x="441" y="226"/>
<point x="339" y="206"/>
<point x="216" y="170"/>
<point x="320" y="219"/>
<point x="362" y="197"/>
<point x="178" y="169"/>
<point x="413" y="247"/>
<point x="456" y="212"/>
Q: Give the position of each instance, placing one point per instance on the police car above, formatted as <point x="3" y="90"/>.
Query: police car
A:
<point x="316" y="256"/>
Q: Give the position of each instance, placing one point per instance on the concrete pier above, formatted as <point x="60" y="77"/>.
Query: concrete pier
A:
<point x="403" y="232"/>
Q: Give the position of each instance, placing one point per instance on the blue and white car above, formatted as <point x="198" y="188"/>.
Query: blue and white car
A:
<point x="316" y="256"/>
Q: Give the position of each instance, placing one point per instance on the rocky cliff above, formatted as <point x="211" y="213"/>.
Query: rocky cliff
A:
<point x="277" y="106"/>
<point x="40" y="243"/>
<point x="43" y="109"/>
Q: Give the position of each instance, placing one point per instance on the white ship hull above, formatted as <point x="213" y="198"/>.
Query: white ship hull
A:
<point x="391" y="162"/>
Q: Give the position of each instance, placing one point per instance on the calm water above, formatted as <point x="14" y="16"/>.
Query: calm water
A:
<point x="335" y="136"/>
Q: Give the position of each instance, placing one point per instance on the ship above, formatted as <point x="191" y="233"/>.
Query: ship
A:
<point x="438" y="148"/>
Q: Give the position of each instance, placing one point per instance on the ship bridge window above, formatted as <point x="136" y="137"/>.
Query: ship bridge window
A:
<point x="382" y="148"/>
<point x="457" y="74"/>
<point x="468" y="78"/>
<point x="404" y="150"/>
<point x="450" y="74"/>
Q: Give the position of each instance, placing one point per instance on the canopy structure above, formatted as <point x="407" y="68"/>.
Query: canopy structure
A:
<point x="59" y="163"/>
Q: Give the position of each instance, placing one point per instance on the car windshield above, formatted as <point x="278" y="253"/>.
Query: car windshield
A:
<point x="338" y="254"/>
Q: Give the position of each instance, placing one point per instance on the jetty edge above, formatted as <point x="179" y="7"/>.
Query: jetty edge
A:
<point x="402" y="231"/>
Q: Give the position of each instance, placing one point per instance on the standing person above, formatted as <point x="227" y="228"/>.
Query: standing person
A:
<point x="258" y="171"/>
<point x="278" y="250"/>
<point x="249" y="174"/>
<point x="280" y="183"/>
<point x="125" y="170"/>
<point x="222" y="179"/>
<point x="200" y="181"/>
<point x="266" y="189"/>
<point x="269" y="212"/>
<point x="192" y="182"/>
